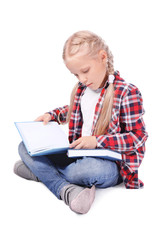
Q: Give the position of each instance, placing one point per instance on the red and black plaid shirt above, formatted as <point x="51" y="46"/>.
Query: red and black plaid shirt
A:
<point x="126" y="132"/>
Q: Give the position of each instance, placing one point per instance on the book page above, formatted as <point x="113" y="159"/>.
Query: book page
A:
<point x="38" y="136"/>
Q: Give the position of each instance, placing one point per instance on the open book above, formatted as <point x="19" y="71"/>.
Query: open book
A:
<point x="40" y="139"/>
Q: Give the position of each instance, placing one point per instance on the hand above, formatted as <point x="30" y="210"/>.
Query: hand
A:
<point x="88" y="142"/>
<point x="45" y="118"/>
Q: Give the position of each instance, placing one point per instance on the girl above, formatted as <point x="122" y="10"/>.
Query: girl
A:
<point x="104" y="112"/>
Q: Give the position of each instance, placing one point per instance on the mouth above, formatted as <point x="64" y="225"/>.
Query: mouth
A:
<point x="89" y="84"/>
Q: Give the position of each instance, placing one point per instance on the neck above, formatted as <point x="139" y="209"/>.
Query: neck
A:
<point x="104" y="80"/>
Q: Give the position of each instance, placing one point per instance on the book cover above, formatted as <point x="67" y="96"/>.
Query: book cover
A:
<point x="40" y="139"/>
<point x="98" y="152"/>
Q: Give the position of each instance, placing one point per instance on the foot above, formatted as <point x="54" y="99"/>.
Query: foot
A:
<point x="23" y="171"/>
<point x="78" y="198"/>
<point x="83" y="202"/>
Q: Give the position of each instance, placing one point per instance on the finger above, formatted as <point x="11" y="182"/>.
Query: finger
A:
<point x="79" y="146"/>
<point x="45" y="121"/>
<point x="82" y="145"/>
<point x="38" y="119"/>
<point x="74" y="144"/>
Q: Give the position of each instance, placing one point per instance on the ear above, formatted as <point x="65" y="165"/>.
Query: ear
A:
<point x="103" y="56"/>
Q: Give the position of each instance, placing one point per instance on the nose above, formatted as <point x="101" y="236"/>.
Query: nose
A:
<point x="83" y="79"/>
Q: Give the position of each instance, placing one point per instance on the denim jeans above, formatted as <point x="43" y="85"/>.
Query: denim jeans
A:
<point x="57" y="170"/>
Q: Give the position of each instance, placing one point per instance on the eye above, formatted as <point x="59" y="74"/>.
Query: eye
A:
<point x="85" y="71"/>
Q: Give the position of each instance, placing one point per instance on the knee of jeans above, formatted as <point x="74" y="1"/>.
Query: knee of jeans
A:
<point x="100" y="172"/>
<point x="21" y="148"/>
<point x="87" y="168"/>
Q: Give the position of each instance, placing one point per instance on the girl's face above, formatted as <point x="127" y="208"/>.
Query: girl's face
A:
<point x="89" y="71"/>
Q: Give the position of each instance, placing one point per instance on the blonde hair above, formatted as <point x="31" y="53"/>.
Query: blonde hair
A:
<point x="93" y="43"/>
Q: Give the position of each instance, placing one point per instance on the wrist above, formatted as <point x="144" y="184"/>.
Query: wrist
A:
<point x="49" y="114"/>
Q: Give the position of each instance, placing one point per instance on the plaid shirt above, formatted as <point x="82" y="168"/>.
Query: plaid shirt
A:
<point x="126" y="132"/>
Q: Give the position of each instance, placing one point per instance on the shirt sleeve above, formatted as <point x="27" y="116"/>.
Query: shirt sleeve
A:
<point x="59" y="114"/>
<point x="132" y="134"/>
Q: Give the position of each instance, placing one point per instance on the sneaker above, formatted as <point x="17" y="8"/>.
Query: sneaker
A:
<point x="23" y="171"/>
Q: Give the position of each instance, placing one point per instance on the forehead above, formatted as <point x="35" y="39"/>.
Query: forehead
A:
<point x="78" y="62"/>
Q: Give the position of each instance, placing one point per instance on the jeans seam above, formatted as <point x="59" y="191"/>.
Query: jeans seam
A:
<point x="100" y="178"/>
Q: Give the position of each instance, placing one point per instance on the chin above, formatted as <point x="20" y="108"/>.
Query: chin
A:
<point x="92" y="87"/>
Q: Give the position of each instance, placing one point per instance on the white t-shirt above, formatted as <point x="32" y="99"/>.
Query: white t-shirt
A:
<point x="88" y="103"/>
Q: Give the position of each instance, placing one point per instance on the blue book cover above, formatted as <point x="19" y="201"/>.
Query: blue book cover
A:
<point x="40" y="139"/>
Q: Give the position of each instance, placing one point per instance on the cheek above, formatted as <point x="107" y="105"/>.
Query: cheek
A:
<point x="99" y="69"/>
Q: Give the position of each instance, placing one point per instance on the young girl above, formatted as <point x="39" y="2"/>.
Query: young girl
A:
<point x="104" y="112"/>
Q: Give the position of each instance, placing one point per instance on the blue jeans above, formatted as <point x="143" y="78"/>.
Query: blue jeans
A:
<point x="57" y="171"/>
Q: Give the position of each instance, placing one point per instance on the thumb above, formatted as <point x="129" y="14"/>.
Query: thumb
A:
<point x="46" y="120"/>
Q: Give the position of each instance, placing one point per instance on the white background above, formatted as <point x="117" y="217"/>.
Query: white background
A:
<point x="34" y="80"/>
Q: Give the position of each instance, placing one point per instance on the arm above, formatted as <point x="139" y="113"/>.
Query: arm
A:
<point x="133" y="134"/>
<point x="124" y="142"/>
<point x="59" y="115"/>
